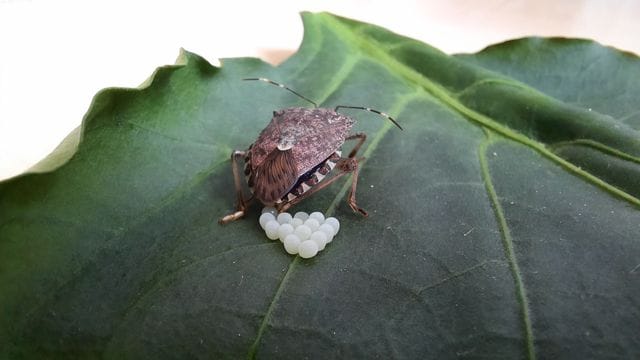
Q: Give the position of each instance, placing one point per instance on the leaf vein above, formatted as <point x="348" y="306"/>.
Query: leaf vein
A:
<point x="400" y="104"/>
<point x="339" y="77"/>
<point x="267" y="316"/>
<point x="457" y="275"/>
<point x="375" y="50"/>
<point x="507" y="242"/>
<point x="598" y="146"/>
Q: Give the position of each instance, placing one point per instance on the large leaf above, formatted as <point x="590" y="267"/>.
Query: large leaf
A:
<point x="503" y="221"/>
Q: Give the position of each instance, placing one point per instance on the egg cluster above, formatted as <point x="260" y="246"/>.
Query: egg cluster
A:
<point x="303" y="234"/>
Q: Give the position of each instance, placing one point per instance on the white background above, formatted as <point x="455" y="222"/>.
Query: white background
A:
<point x="55" y="55"/>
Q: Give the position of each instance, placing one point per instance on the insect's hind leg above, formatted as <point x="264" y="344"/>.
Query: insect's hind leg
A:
<point x="242" y="203"/>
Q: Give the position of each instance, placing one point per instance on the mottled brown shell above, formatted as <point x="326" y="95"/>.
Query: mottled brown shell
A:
<point x="275" y="177"/>
<point x="312" y="135"/>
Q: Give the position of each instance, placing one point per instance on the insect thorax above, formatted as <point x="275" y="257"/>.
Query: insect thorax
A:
<point x="311" y="134"/>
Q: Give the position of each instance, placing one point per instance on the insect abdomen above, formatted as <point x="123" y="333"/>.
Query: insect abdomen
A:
<point x="313" y="176"/>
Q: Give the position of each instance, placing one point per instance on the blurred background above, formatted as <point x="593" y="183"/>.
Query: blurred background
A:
<point x="55" y="55"/>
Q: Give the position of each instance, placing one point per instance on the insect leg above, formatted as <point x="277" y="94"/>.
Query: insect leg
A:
<point x="351" y="165"/>
<point x="361" y="139"/>
<point x="242" y="203"/>
<point x="345" y="166"/>
<point x="323" y="184"/>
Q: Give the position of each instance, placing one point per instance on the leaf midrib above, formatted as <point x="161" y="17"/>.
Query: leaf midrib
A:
<point x="334" y="84"/>
<point x="374" y="49"/>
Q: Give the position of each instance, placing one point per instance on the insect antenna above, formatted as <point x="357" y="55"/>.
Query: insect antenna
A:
<point x="370" y="110"/>
<point x="284" y="87"/>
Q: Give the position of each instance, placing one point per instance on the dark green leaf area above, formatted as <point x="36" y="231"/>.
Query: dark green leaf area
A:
<point x="593" y="95"/>
<point x="503" y="220"/>
<point x="372" y="292"/>
<point x="577" y="250"/>
<point x="578" y="72"/>
<point x="595" y="112"/>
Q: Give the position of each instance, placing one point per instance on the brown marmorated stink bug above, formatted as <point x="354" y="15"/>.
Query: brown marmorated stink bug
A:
<point x="293" y="155"/>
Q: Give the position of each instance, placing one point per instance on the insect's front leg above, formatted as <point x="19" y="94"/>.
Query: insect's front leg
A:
<point x="344" y="166"/>
<point x="350" y="165"/>
<point x="284" y="206"/>
<point x="362" y="137"/>
<point x="242" y="203"/>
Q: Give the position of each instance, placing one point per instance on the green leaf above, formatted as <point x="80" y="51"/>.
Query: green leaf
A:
<point x="584" y="75"/>
<point x="503" y="221"/>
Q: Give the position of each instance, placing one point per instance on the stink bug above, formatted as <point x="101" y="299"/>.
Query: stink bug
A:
<point x="293" y="155"/>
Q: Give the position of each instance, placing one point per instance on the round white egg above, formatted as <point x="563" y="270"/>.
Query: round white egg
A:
<point x="327" y="230"/>
<point x="318" y="216"/>
<point x="312" y="223"/>
<point x="303" y="232"/>
<point x="295" y="222"/>
<point x="284" y="230"/>
<point x="265" y="218"/>
<point x="320" y="238"/>
<point x="308" y="249"/>
<point x="271" y="229"/>
<point x="291" y="244"/>
<point x="334" y="223"/>
<point x="301" y="215"/>
<point x="284" y="218"/>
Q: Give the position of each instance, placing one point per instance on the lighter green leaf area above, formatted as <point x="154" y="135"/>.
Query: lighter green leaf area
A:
<point x="60" y="155"/>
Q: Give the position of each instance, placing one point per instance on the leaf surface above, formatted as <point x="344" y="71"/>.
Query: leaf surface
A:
<point x="503" y="220"/>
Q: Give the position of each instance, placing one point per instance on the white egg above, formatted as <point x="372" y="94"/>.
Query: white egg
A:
<point x="301" y="215"/>
<point x="284" y="230"/>
<point x="327" y="230"/>
<point x="295" y="222"/>
<point x="291" y="244"/>
<point x="270" y="210"/>
<point x="284" y="218"/>
<point x="334" y="223"/>
<point x="265" y="218"/>
<point x="271" y="229"/>
<point x="313" y="224"/>
<point x="303" y="232"/>
<point x="318" y="216"/>
<point x="308" y="249"/>
<point x="320" y="238"/>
